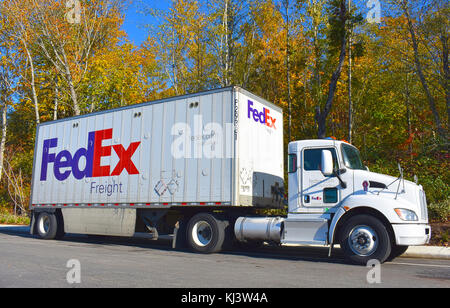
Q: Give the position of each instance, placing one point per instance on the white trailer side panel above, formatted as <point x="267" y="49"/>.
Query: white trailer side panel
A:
<point x="173" y="152"/>
<point x="125" y="156"/>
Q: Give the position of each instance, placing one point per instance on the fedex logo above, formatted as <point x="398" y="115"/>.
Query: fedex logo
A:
<point x="64" y="163"/>
<point x="261" y="117"/>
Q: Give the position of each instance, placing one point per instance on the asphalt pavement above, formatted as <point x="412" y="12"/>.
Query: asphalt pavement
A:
<point x="82" y="261"/>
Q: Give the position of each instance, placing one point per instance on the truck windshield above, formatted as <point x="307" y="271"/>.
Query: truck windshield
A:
<point x="352" y="159"/>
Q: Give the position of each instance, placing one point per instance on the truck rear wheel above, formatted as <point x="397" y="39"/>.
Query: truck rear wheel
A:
<point x="205" y="233"/>
<point x="364" y="238"/>
<point x="47" y="226"/>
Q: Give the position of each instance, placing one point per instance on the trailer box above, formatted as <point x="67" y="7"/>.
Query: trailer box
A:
<point x="216" y="148"/>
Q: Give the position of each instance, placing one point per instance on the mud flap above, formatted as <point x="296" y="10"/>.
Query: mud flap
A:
<point x="179" y="241"/>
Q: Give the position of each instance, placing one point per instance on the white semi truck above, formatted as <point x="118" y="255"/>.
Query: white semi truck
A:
<point x="201" y="166"/>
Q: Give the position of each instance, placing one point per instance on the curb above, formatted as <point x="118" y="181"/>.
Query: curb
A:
<point x="20" y="229"/>
<point x="428" y="252"/>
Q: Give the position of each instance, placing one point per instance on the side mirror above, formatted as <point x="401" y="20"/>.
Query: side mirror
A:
<point x="327" y="163"/>
<point x="367" y="168"/>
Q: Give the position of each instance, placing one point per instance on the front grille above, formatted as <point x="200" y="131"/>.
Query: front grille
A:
<point x="423" y="206"/>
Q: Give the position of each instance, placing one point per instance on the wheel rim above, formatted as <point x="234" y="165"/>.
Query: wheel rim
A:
<point x="363" y="240"/>
<point x="44" y="225"/>
<point x="202" y="233"/>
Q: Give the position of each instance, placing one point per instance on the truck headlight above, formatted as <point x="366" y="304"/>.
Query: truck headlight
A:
<point x="406" y="215"/>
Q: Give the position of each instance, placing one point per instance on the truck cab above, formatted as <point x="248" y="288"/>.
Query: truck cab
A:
<point x="333" y="198"/>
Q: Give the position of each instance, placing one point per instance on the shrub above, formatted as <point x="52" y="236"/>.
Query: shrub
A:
<point x="6" y="217"/>
<point x="439" y="211"/>
<point x="432" y="174"/>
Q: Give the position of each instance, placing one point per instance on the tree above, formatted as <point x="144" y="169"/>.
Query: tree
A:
<point x="226" y="30"/>
<point x="287" y="6"/>
<point x="316" y="23"/>
<point x="8" y="82"/>
<point x="434" y="29"/>
<point x="338" y="35"/>
<point x="419" y="69"/>
<point x="68" y="47"/>
<point x="16" y="27"/>
<point x="180" y="39"/>
<point x="120" y="76"/>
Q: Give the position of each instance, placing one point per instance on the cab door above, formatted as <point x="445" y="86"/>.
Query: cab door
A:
<point x="318" y="192"/>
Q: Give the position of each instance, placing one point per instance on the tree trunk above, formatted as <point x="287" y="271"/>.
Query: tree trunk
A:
<point x="408" y="115"/>
<point x="288" y="64"/>
<point x="3" y="139"/>
<point x="321" y="116"/>
<point x="55" y="107"/>
<point x="350" y="106"/>
<point x="317" y="55"/>
<point x="33" y="85"/>
<point x="226" y="24"/>
<point x="444" y="40"/>
<point x="73" y="93"/>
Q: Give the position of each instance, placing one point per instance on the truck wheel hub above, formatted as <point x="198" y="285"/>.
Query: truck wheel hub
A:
<point x="202" y="233"/>
<point x="44" y="225"/>
<point x="363" y="240"/>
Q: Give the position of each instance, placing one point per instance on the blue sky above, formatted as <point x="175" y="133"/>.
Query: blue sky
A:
<point x="134" y="20"/>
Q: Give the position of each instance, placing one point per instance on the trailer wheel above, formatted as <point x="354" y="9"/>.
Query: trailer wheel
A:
<point x="364" y="238"/>
<point x="205" y="233"/>
<point x="47" y="226"/>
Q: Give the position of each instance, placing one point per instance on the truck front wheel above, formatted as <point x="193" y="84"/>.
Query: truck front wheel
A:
<point x="364" y="238"/>
<point x="205" y="233"/>
<point x="47" y="226"/>
<point x="397" y="251"/>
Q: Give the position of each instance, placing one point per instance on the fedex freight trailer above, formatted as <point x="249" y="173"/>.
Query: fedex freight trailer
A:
<point x="199" y="166"/>
<point x="142" y="168"/>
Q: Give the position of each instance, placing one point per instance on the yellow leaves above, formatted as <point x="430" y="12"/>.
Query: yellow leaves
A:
<point x="121" y="75"/>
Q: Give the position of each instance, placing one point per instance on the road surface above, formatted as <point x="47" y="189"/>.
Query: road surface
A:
<point x="26" y="261"/>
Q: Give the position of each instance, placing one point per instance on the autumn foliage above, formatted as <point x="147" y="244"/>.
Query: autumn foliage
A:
<point x="287" y="51"/>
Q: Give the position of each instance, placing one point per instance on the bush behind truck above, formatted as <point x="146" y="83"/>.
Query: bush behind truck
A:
<point x="200" y="166"/>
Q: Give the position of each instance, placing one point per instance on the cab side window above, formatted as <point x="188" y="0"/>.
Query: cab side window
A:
<point x="312" y="158"/>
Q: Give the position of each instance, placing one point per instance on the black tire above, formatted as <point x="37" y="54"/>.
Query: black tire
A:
<point x="60" y="222"/>
<point x="365" y="238"/>
<point x="47" y="226"/>
<point x="397" y="251"/>
<point x="205" y="233"/>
